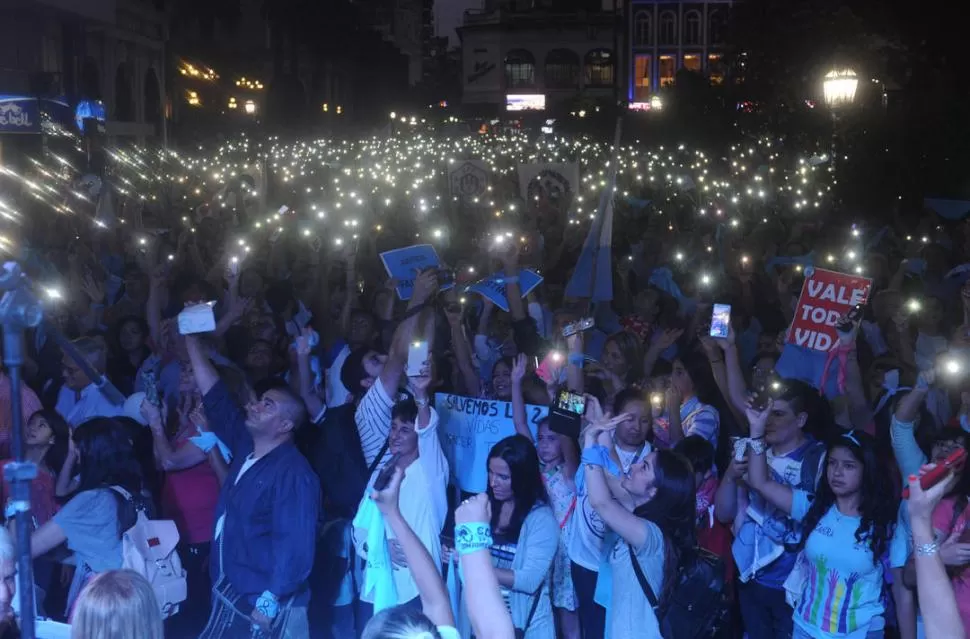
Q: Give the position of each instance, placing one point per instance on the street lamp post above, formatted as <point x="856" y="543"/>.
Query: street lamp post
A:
<point x="839" y="88"/>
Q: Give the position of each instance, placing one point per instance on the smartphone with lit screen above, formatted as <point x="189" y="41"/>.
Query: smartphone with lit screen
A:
<point x="721" y="321"/>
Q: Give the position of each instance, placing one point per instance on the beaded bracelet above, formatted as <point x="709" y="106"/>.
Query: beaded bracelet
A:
<point x="472" y="537"/>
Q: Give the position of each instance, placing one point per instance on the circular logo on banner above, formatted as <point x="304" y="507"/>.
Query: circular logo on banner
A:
<point x="469" y="180"/>
<point x="549" y="184"/>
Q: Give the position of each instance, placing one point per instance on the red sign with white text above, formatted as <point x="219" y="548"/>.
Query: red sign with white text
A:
<point x="826" y="297"/>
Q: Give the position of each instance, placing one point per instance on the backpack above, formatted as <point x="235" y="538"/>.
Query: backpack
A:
<point x="698" y="605"/>
<point x="148" y="548"/>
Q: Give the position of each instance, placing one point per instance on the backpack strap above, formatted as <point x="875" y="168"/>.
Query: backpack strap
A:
<point x="644" y="584"/>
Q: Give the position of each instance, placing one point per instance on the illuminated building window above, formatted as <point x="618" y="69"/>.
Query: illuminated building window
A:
<point x="668" y="70"/>
<point x="599" y="68"/>
<point x="715" y="68"/>
<point x="692" y="62"/>
<point x="641" y="80"/>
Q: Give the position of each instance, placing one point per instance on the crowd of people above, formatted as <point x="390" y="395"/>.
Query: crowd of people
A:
<point x="707" y="491"/>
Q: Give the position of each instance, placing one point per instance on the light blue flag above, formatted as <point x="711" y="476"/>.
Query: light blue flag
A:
<point x="593" y="277"/>
<point x="948" y="209"/>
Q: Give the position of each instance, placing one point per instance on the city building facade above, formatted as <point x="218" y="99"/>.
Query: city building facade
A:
<point x="107" y="55"/>
<point x="665" y="37"/>
<point x="540" y="49"/>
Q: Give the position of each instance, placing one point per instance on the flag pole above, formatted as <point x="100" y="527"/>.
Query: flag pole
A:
<point x="601" y="211"/>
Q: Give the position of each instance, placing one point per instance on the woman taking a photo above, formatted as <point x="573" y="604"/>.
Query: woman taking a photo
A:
<point x="658" y="535"/>
<point x="847" y="528"/>
<point x="525" y="535"/>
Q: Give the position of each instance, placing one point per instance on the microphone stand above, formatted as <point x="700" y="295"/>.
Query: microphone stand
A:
<point x="20" y="310"/>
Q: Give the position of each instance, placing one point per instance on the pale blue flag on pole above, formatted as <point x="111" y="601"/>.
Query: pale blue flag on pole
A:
<point x="593" y="277"/>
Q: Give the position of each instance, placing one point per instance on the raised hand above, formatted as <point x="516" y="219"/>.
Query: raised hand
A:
<point x="668" y="338"/>
<point x="93" y="289"/>
<point x="303" y="347"/>
<point x="758" y="419"/>
<point x="518" y="368"/>
<point x="600" y="431"/>
<point x="474" y="510"/>
<point x="425" y="286"/>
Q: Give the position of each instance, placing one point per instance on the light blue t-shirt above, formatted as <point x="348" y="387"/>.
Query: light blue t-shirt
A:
<point x="841" y="594"/>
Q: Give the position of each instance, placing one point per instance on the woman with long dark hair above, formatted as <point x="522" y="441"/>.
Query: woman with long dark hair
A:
<point x="847" y="530"/>
<point x="128" y="351"/>
<point x="689" y="400"/>
<point x="655" y="540"/>
<point x="525" y="535"/>
<point x="103" y="508"/>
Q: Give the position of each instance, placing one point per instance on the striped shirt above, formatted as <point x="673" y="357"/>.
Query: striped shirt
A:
<point x="373" y="419"/>
<point x="700" y="419"/>
<point x="503" y="555"/>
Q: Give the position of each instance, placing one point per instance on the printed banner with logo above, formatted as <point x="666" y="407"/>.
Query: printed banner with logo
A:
<point x="549" y="181"/>
<point x="493" y="287"/>
<point x="468" y="179"/>
<point x="468" y="429"/>
<point x="826" y="296"/>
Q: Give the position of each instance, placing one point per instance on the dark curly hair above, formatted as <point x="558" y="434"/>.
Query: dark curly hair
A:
<point x="877" y="504"/>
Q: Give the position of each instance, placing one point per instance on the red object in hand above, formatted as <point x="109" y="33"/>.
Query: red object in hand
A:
<point x="953" y="462"/>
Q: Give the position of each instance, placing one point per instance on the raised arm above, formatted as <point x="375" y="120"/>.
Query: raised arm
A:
<point x="203" y="369"/>
<point x="167" y="457"/>
<point x="623" y="522"/>
<point x="463" y="354"/>
<point x="737" y="389"/>
<point x="941" y="616"/>
<point x="314" y="403"/>
<point x="759" y="479"/>
<point x="519" y="418"/>
<point x="489" y="617"/>
<point x="425" y="287"/>
<point x="667" y="339"/>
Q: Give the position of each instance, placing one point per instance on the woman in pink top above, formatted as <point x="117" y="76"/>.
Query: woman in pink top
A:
<point x="189" y="497"/>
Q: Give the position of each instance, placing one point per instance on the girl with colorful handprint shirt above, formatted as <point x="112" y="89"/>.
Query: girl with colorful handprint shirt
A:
<point x="837" y="583"/>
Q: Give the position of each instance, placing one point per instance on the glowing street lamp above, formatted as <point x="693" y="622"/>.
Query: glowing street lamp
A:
<point x="839" y="87"/>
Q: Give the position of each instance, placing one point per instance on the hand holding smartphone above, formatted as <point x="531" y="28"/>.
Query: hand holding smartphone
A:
<point x="721" y="321"/>
<point x="386" y="474"/>
<point x="417" y="358"/>
<point x="566" y="413"/>
<point x="954" y="462"/>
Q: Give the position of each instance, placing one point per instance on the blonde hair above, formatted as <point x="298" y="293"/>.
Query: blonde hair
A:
<point x="118" y="604"/>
